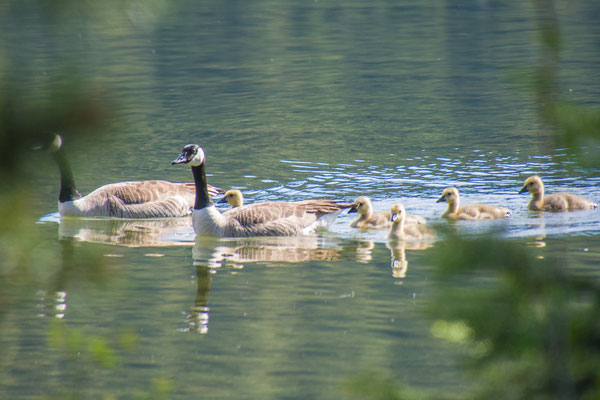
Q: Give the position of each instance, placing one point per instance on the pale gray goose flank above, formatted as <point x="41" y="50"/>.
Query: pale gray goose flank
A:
<point x="259" y="219"/>
<point x="131" y="199"/>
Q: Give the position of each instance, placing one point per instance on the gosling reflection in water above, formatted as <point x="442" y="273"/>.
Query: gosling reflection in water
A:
<point x="399" y="262"/>
<point x="127" y="232"/>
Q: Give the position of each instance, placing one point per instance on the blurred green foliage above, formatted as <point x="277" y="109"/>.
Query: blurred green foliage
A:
<point x="38" y="98"/>
<point x="532" y="330"/>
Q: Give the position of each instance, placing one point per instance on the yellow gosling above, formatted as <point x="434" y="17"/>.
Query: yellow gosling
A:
<point x="233" y="197"/>
<point x="367" y="219"/>
<point x="469" y="212"/>
<point x="555" y="201"/>
<point x="400" y="230"/>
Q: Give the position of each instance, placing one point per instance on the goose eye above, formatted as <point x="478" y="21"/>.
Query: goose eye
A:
<point x="530" y="183"/>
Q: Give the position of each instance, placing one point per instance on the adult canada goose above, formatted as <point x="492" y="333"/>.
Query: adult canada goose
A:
<point x="555" y="201"/>
<point x="470" y="212"/>
<point x="259" y="219"/>
<point x="402" y="231"/>
<point x="380" y="220"/>
<point x="132" y="199"/>
<point x="233" y="197"/>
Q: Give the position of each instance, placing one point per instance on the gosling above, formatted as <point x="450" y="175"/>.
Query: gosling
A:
<point x="233" y="197"/>
<point x="555" y="201"/>
<point x="469" y="212"/>
<point x="401" y="231"/>
<point x="380" y="220"/>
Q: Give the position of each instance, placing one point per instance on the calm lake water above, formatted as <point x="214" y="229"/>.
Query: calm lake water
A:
<point x="290" y="100"/>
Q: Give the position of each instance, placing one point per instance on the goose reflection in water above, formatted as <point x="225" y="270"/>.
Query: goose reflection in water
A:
<point x="129" y="232"/>
<point x="53" y="301"/>
<point x="210" y="253"/>
<point x="273" y="249"/>
<point x="398" y="249"/>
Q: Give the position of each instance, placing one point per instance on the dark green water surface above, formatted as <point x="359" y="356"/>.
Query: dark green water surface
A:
<point x="290" y="100"/>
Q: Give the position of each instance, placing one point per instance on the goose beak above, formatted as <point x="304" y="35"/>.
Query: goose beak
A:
<point x="523" y="190"/>
<point x="394" y="217"/>
<point x="223" y="200"/>
<point x="442" y="199"/>
<point x="181" y="159"/>
<point x="352" y="209"/>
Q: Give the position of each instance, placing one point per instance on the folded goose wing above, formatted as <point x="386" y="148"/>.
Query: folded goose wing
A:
<point x="278" y="218"/>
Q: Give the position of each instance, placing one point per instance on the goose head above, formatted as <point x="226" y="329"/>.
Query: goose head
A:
<point x="533" y="185"/>
<point x="49" y="142"/>
<point x="398" y="212"/>
<point x="233" y="197"/>
<point x="191" y="154"/>
<point x="362" y="205"/>
<point x="449" y="195"/>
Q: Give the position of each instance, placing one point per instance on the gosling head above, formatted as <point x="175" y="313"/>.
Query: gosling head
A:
<point x="533" y="185"/>
<point x="191" y="154"/>
<point x="449" y="195"/>
<point x="361" y="205"/>
<point x="233" y="197"/>
<point x="398" y="212"/>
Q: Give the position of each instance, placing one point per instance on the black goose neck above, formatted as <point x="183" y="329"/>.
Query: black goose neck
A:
<point x="68" y="192"/>
<point x="202" y="198"/>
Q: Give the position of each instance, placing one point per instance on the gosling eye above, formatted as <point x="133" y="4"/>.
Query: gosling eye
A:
<point x="530" y="183"/>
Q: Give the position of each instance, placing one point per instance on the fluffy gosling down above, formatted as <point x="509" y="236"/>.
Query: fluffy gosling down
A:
<point x="400" y="230"/>
<point x="233" y="197"/>
<point x="367" y="219"/>
<point x="555" y="201"/>
<point x="469" y="212"/>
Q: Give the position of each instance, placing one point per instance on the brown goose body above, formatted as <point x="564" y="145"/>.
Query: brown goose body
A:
<point x="375" y="220"/>
<point x="454" y="211"/>
<point x="553" y="202"/>
<point x="135" y="199"/>
<point x="280" y="218"/>
<point x="260" y="219"/>
<point x="131" y="199"/>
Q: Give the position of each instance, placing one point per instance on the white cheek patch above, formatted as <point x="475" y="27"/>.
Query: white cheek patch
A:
<point x="56" y="144"/>
<point x="198" y="158"/>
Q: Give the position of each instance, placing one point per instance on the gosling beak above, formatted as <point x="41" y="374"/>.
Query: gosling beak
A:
<point x="394" y="217"/>
<point x="523" y="190"/>
<point x="442" y="199"/>
<point x="352" y="209"/>
<point x="223" y="200"/>
<point x="181" y="159"/>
